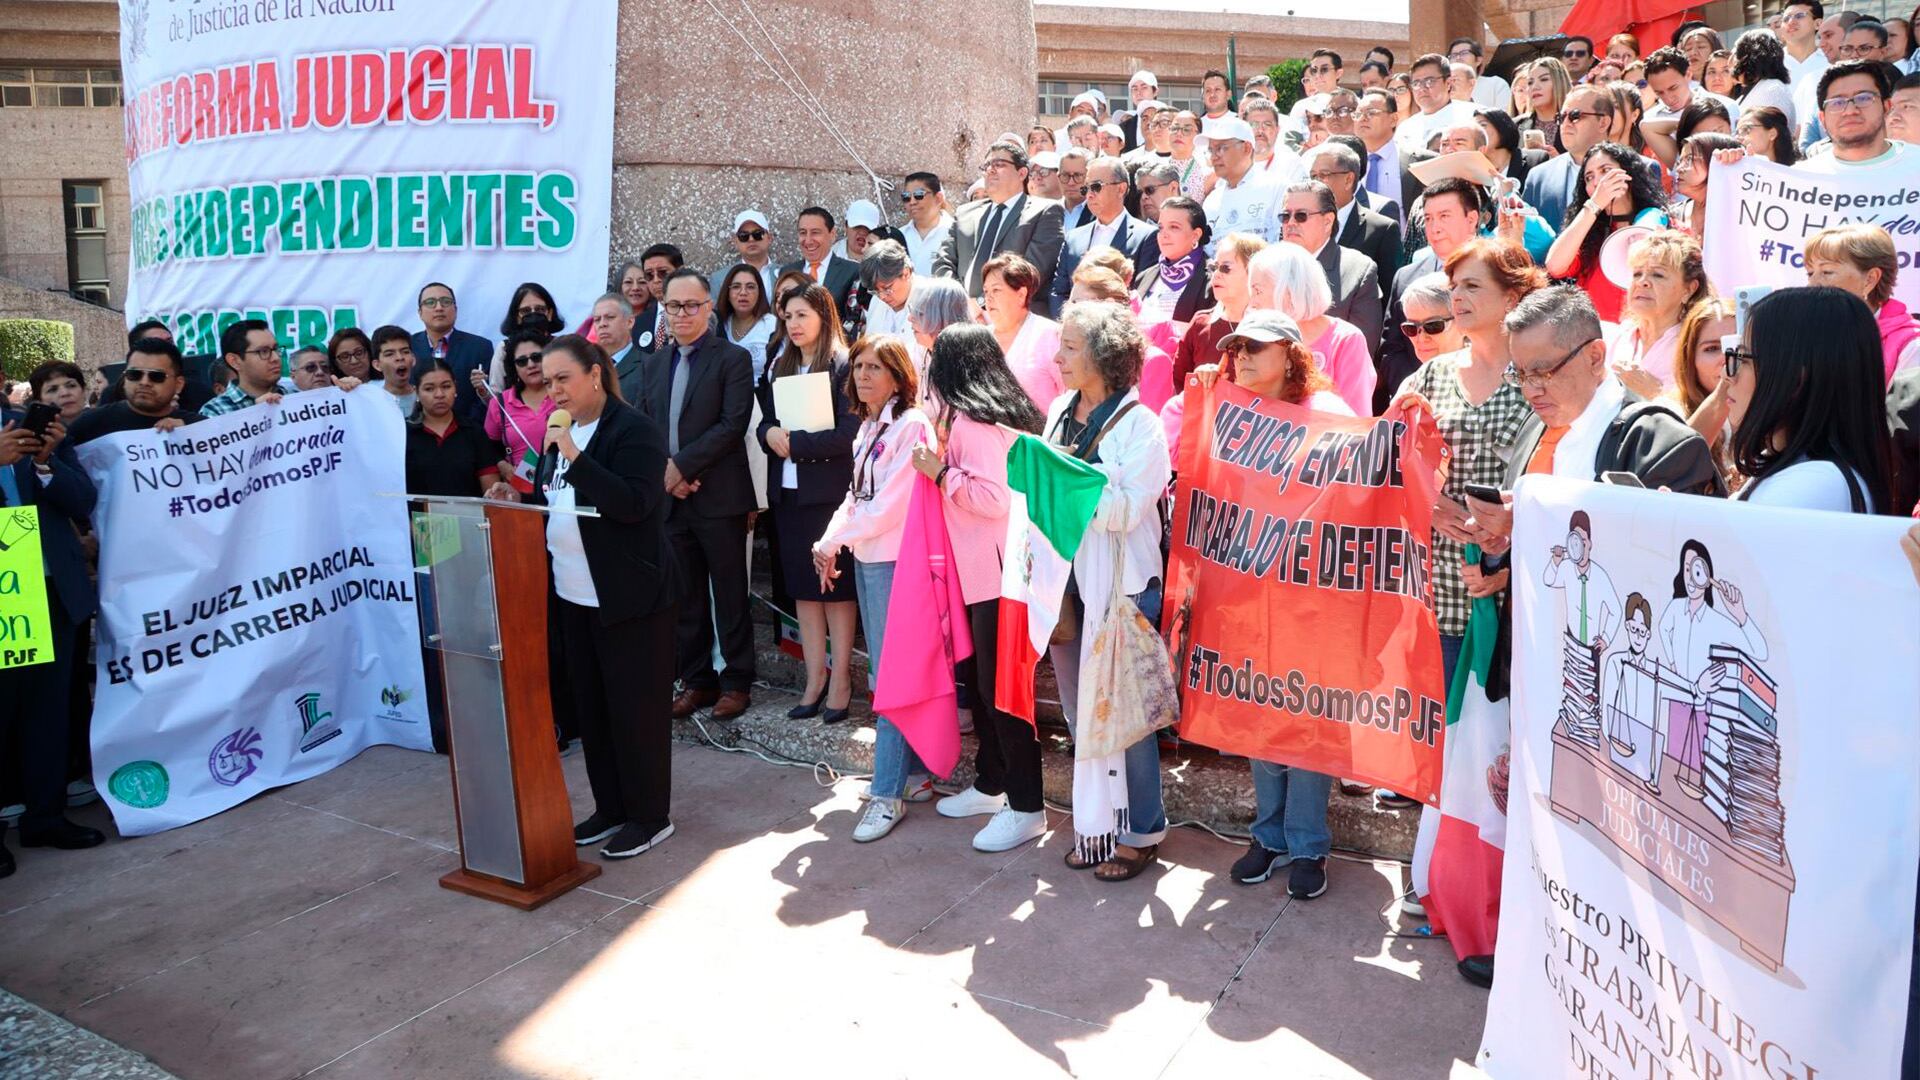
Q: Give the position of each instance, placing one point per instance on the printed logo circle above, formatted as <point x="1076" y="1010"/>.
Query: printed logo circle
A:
<point x="140" y="784"/>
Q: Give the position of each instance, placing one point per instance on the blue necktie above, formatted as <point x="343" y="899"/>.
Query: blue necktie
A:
<point x="1373" y="174"/>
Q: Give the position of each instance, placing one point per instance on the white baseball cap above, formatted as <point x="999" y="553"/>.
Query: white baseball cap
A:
<point x="1225" y="128"/>
<point x="753" y="216"/>
<point x="1150" y="103"/>
<point x="1317" y="104"/>
<point x="1144" y="76"/>
<point x="1091" y="97"/>
<point x="1112" y="131"/>
<point x="862" y="213"/>
<point x="1045" y="159"/>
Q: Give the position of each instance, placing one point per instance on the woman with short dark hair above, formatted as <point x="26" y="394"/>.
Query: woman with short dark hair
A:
<point x="61" y="384"/>
<point x="517" y="417"/>
<point x="1807" y="402"/>
<point x="350" y="351"/>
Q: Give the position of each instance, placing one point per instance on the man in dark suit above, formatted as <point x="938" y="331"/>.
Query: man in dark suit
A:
<point x="1453" y="216"/>
<point x="813" y="232"/>
<point x="1357" y="228"/>
<point x="1111" y="226"/>
<point x="657" y="264"/>
<point x="700" y="390"/>
<point x="1585" y="120"/>
<point x="613" y="324"/>
<point x="1307" y="219"/>
<point x="43" y="472"/>
<point x="1006" y="220"/>
<point x="465" y="353"/>
<point x="1175" y="287"/>
<point x="1388" y="172"/>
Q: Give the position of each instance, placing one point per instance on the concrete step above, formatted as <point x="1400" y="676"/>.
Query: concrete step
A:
<point x="1200" y="784"/>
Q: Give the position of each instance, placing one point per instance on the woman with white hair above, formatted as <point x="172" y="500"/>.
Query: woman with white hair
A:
<point x="936" y="304"/>
<point x="1284" y="277"/>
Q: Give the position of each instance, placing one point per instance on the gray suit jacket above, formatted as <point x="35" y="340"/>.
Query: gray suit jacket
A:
<point x="1356" y="291"/>
<point x="1034" y="233"/>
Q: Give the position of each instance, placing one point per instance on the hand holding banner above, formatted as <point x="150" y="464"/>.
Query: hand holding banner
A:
<point x="1760" y="215"/>
<point x="1299" y="596"/>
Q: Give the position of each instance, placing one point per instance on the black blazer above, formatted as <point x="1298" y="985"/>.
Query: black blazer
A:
<point x="621" y="473"/>
<point x="1645" y="438"/>
<point x="1378" y="238"/>
<point x="1138" y="240"/>
<point x="465" y="353"/>
<point x="1192" y="298"/>
<point x="713" y="423"/>
<point x="841" y="278"/>
<point x="823" y="460"/>
<point x="65" y="504"/>
<point x="1397" y="359"/>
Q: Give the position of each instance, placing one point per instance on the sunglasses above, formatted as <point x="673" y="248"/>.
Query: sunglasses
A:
<point x="311" y="369"/>
<point x="913" y="196"/>
<point x="750" y="236"/>
<point x="526" y="311"/>
<point x="1097" y="186"/>
<point x="1429" y="327"/>
<point x="529" y="360"/>
<point x="1574" y="54"/>
<point x="1574" y="116"/>
<point x="152" y="375"/>
<point x="1299" y="217"/>
<point x="655" y="275"/>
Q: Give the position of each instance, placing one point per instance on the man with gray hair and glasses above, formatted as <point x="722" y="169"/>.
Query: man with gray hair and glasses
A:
<point x="1306" y="219"/>
<point x="887" y="275"/>
<point x="1356" y="227"/>
<point x="1156" y="183"/>
<point x="1585" y="422"/>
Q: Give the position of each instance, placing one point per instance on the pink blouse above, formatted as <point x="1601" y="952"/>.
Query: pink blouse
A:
<point x="1341" y="350"/>
<point x="977" y="504"/>
<point x="1031" y="360"/>
<point x="521" y="429"/>
<point x="874" y="513"/>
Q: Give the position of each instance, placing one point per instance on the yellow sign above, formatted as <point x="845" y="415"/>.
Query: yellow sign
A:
<point x="436" y="538"/>
<point x="25" y="634"/>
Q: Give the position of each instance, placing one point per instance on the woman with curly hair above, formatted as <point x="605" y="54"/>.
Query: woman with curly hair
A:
<point x="1617" y="188"/>
<point x="1760" y="69"/>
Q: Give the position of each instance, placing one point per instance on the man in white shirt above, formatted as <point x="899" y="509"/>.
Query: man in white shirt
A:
<point x="753" y="242"/>
<point x="1667" y="78"/>
<point x="1437" y="111"/>
<point x="1270" y="158"/>
<point x="1800" y="33"/>
<point x="927" y="220"/>
<point x="1490" y="91"/>
<point x="1216" y="93"/>
<point x="1324" y="70"/>
<point x="1241" y="201"/>
<point x="1153" y="127"/>
<point x="887" y="274"/>
<point x="1853" y="96"/>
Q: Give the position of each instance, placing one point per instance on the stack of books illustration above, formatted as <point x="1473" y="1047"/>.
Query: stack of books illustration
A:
<point x="1740" y="765"/>
<point x="1580" y="700"/>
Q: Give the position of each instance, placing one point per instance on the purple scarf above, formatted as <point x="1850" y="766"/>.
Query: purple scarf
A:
<point x="1174" y="274"/>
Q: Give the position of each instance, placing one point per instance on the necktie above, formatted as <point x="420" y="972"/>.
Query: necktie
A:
<point x="1373" y="175"/>
<point x="1542" y="459"/>
<point x="988" y="237"/>
<point x="813" y="270"/>
<point x="1583" y="609"/>
<point x="660" y="329"/>
<point x="677" y="396"/>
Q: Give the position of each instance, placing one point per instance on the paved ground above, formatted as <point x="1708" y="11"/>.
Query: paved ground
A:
<point x="304" y="933"/>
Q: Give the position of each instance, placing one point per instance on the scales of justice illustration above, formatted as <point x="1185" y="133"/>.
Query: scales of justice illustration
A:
<point x="1666" y="746"/>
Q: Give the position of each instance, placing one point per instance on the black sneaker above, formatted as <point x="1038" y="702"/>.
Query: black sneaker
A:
<point x="633" y="839"/>
<point x="595" y="829"/>
<point x="1257" y="865"/>
<point x="1307" y="878"/>
<point x="66" y="836"/>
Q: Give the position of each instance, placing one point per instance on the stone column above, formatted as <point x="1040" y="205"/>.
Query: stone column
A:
<point x="1433" y="23"/>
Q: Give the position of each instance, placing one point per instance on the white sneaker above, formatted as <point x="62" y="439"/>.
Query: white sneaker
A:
<point x="1009" y="829"/>
<point x="970" y="803"/>
<point x="80" y="793"/>
<point x="13" y="812"/>
<point x="1411" y="906"/>
<point x="881" y="816"/>
<point x="919" y="788"/>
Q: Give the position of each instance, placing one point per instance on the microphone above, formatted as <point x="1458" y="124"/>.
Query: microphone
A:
<point x="558" y="422"/>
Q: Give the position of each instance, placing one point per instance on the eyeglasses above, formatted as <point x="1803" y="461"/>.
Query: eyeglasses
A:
<point x="1185" y="129"/>
<point x="1151" y="191"/>
<point x="1575" y="54"/>
<point x="1429" y="327"/>
<point x="1574" y="116"/>
<point x="437" y="302"/>
<point x="306" y="369"/>
<point x="914" y="196"/>
<point x="351" y="355"/>
<point x="655" y="275"/>
<point x="1736" y="357"/>
<point x="750" y="236"/>
<point x="1095" y="187"/>
<point x="1301" y="217"/>
<point x="1858" y="101"/>
<point x="1795" y="16"/>
<point x="532" y="359"/>
<point x="1341" y="111"/>
<point x="1369" y="114"/>
<point x="997" y="163"/>
<point x="1216" y="268"/>
<point x="152" y="375"/>
<point x="1326" y="176"/>
<point x="533" y="309"/>
<point x="1533" y="380"/>
<point x="1320" y="69"/>
<point x="1462" y="55"/>
<point x="688" y="307"/>
<point x="1857" y="51"/>
<point x="266" y="352"/>
<point x="1427" y="82"/>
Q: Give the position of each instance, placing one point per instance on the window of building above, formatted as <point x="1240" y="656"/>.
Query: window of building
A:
<point x="59" y="88"/>
<point x="87" y="240"/>
<point x="1056" y="95"/>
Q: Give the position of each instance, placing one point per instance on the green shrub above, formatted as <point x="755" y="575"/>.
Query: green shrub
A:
<point x="25" y="344"/>
<point x="1286" y="76"/>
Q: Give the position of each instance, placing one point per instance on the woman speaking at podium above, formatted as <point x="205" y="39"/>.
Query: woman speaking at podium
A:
<point x="614" y="590"/>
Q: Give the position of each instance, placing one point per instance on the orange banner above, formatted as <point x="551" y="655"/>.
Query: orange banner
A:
<point x="1299" y="597"/>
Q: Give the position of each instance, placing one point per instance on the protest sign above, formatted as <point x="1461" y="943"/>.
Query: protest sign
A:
<point x="26" y="637"/>
<point x="1759" y="216"/>
<point x="1299" y="596"/>
<point x="313" y="163"/>
<point x="1686" y="892"/>
<point x="257" y="615"/>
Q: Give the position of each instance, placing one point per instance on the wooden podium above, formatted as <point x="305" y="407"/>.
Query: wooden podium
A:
<point x="483" y="567"/>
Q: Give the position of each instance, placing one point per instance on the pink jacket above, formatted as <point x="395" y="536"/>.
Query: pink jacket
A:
<point x="977" y="503"/>
<point x="1897" y="330"/>
<point x="872" y="526"/>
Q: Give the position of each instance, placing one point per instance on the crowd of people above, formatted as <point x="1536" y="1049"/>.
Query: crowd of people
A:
<point x="1070" y="291"/>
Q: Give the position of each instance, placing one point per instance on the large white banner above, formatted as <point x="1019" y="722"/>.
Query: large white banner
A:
<point x="1760" y="215"/>
<point x="257" y="619"/>
<point x="314" y="162"/>
<point x="1712" y="821"/>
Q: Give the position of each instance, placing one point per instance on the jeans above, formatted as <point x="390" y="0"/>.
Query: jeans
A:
<point x="893" y="759"/>
<point x="1450" y="645"/>
<point x="1146" y="806"/>
<point x="1290" y="810"/>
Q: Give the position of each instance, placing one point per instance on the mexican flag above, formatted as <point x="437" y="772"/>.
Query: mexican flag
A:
<point x="1054" y="497"/>
<point x="1460" y="848"/>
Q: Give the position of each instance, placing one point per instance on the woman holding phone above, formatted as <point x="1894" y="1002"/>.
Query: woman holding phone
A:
<point x="615" y="590"/>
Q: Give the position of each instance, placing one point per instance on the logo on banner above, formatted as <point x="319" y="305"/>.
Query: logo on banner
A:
<point x="133" y="28"/>
<point x="235" y="757"/>
<point x="316" y="727"/>
<point x="142" y="785"/>
<point x="1666" y="742"/>
<point x="391" y="698"/>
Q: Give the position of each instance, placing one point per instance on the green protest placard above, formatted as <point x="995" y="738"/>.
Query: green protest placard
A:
<point x="436" y="538"/>
<point x="25" y="635"/>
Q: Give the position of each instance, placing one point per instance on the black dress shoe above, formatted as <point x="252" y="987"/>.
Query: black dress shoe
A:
<point x="806" y="710"/>
<point x="834" y="716"/>
<point x="66" y="836"/>
<point x="1477" y="970"/>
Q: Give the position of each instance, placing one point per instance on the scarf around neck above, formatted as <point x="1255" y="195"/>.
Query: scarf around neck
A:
<point x="1174" y="274"/>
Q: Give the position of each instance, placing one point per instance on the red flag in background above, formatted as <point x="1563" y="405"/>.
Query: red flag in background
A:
<point x="1651" y="21"/>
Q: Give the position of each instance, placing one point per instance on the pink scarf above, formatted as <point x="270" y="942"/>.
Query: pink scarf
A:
<point x="1897" y="329"/>
<point x="927" y="633"/>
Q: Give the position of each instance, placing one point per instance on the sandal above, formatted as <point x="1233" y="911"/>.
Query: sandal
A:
<point x="1074" y="860"/>
<point x="1127" y="863"/>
